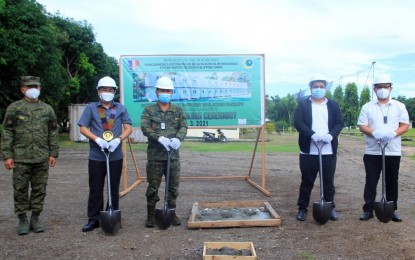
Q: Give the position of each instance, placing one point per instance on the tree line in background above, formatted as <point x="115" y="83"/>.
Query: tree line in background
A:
<point x="65" y="55"/>
<point x="61" y="51"/>
<point x="281" y="110"/>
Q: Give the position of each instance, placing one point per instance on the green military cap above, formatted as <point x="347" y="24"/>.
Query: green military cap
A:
<point x="30" y="80"/>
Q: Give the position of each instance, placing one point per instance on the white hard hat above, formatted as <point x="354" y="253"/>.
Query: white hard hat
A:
<point x="107" y="82"/>
<point x="317" y="77"/>
<point x="164" y="83"/>
<point x="382" y="79"/>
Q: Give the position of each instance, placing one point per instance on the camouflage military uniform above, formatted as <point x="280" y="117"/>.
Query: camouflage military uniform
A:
<point x="175" y="126"/>
<point x="30" y="137"/>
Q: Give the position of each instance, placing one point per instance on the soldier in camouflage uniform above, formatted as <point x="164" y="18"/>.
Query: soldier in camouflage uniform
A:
<point x="29" y="146"/>
<point x="165" y="126"/>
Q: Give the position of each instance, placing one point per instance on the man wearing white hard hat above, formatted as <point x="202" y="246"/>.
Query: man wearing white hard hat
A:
<point x="382" y="120"/>
<point x="318" y="121"/>
<point x="106" y="124"/>
<point x="164" y="124"/>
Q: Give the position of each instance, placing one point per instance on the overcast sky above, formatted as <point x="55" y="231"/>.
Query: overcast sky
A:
<point x="340" y="39"/>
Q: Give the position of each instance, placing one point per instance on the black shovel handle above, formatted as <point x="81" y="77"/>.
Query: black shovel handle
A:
<point x="107" y="155"/>
<point x="382" y="145"/>
<point x="319" y="146"/>
<point x="166" y="193"/>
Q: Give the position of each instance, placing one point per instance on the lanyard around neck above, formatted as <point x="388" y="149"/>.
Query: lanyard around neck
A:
<point x="107" y="124"/>
<point x="385" y="117"/>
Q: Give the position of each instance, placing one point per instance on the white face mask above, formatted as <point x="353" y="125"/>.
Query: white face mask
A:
<point x="107" y="97"/>
<point x="383" y="93"/>
<point x="32" y="93"/>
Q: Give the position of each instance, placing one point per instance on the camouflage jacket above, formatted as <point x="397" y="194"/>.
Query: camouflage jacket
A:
<point x="30" y="132"/>
<point x="152" y="121"/>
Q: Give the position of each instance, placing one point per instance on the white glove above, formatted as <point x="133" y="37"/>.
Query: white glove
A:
<point x="175" y="143"/>
<point x="165" y="142"/>
<point x="101" y="143"/>
<point x="378" y="135"/>
<point x="389" y="135"/>
<point x="113" y="144"/>
<point x="326" y="138"/>
<point x="316" y="137"/>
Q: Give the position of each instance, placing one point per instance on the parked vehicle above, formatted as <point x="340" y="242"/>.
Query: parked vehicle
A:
<point x="210" y="137"/>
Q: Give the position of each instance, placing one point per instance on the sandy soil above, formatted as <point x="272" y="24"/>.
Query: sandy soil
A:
<point x="348" y="238"/>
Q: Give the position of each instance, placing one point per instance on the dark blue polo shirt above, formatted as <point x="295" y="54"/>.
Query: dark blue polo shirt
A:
<point x="90" y="118"/>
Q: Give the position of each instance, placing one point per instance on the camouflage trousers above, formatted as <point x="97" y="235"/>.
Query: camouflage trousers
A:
<point x="155" y="172"/>
<point x="34" y="176"/>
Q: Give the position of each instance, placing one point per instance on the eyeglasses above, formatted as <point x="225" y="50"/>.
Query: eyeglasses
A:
<point x="33" y="86"/>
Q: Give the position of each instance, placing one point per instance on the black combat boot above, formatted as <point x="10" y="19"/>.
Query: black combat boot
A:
<point x="23" y="228"/>
<point x="150" y="215"/>
<point x="176" y="219"/>
<point x="35" y="224"/>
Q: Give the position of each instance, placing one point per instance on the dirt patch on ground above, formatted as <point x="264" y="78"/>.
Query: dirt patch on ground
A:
<point x="65" y="212"/>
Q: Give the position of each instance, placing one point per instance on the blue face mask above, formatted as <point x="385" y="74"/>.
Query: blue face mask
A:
<point x="318" y="92"/>
<point x="164" y="98"/>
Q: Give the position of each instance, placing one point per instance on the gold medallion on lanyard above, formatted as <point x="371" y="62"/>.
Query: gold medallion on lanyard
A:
<point x="107" y="135"/>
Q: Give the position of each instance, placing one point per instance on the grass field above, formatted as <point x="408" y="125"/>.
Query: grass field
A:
<point x="285" y="142"/>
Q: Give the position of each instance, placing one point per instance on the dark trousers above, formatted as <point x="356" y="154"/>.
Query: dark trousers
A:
<point x="97" y="171"/>
<point x="155" y="172"/>
<point x="373" y="167"/>
<point x="309" y="166"/>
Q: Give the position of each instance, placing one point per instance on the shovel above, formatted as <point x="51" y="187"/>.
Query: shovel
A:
<point x="321" y="209"/>
<point x="384" y="209"/>
<point x="164" y="217"/>
<point x="110" y="219"/>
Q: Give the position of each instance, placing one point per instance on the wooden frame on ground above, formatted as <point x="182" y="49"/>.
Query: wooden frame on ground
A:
<point x="234" y="245"/>
<point x="275" y="219"/>
<point x="261" y="186"/>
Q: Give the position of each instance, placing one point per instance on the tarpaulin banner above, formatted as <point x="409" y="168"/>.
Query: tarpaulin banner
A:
<point x="214" y="90"/>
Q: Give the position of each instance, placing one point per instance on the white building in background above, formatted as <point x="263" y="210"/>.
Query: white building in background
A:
<point x="75" y="112"/>
<point x="194" y="88"/>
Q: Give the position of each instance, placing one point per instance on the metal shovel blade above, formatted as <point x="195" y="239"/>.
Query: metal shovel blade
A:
<point x="164" y="217"/>
<point x="322" y="211"/>
<point x="384" y="210"/>
<point x="110" y="220"/>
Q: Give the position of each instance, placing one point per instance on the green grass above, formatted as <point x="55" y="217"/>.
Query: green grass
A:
<point x="306" y="255"/>
<point x="278" y="143"/>
<point x="65" y="142"/>
<point x="286" y="142"/>
<point x="409" y="137"/>
<point x="248" y="146"/>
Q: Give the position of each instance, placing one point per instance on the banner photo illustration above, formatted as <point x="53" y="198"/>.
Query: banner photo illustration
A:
<point x="214" y="90"/>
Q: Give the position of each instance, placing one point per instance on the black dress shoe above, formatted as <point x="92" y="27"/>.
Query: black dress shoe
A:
<point x="333" y="215"/>
<point x="301" y="214"/>
<point x="366" y="216"/>
<point x="396" y="218"/>
<point x="90" y="226"/>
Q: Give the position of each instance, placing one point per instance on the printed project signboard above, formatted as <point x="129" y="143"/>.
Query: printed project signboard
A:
<point x="214" y="90"/>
